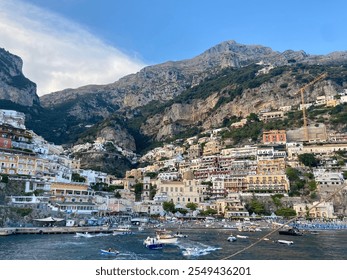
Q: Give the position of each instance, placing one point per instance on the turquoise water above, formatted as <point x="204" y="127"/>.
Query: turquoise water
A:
<point x="206" y="243"/>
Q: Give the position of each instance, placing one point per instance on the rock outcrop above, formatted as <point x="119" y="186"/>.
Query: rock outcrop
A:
<point x="14" y="86"/>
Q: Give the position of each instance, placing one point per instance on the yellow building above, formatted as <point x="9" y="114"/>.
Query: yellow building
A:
<point x="323" y="210"/>
<point x="211" y="148"/>
<point x="182" y="192"/>
<point x="231" y="207"/>
<point x="134" y="173"/>
<point x="267" y="183"/>
<point x="332" y="103"/>
<point x="23" y="164"/>
<point x="271" y="166"/>
<point x="71" y="192"/>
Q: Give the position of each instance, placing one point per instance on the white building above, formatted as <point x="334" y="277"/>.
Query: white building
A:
<point x="14" y="118"/>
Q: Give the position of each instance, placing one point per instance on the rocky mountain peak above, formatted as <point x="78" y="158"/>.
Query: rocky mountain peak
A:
<point x="14" y="86"/>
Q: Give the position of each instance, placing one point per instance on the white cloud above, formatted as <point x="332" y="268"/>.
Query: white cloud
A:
<point x="57" y="53"/>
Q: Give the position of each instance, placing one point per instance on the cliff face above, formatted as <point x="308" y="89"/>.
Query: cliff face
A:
<point x="166" y="100"/>
<point x="164" y="81"/>
<point x="14" y="86"/>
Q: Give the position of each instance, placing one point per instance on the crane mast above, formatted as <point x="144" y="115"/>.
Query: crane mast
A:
<point x="302" y="91"/>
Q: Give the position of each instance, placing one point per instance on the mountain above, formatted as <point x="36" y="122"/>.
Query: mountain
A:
<point x="84" y="106"/>
<point x="14" y="86"/>
<point x="182" y="98"/>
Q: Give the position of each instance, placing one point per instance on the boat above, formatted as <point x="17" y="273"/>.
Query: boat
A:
<point x="231" y="238"/>
<point x="6" y="232"/>
<point x="140" y="228"/>
<point x="242" y="236"/>
<point x="110" y="252"/>
<point x="287" y="242"/>
<point x="165" y="237"/>
<point x="180" y="235"/>
<point x="122" y="230"/>
<point x="85" y="234"/>
<point x="291" y="231"/>
<point x="152" y="243"/>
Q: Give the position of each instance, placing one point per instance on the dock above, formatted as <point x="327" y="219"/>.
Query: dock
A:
<point x="54" y="230"/>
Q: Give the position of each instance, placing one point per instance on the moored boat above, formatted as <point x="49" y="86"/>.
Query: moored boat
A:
<point x="110" y="252"/>
<point x="231" y="238"/>
<point x="85" y="234"/>
<point x="287" y="242"/>
<point x="180" y="235"/>
<point x="122" y="230"/>
<point x="6" y="232"/>
<point x="152" y="243"/>
<point x="242" y="236"/>
<point x="292" y="231"/>
<point x="165" y="237"/>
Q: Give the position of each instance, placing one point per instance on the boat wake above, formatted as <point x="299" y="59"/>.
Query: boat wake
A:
<point x="196" y="249"/>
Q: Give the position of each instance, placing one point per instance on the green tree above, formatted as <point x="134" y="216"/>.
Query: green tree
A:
<point x="169" y="206"/>
<point x="256" y="206"/>
<point x="308" y="159"/>
<point x="152" y="191"/>
<point x="192" y="206"/>
<point x="77" y="178"/>
<point x="276" y="198"/>
<point x="292" y="174"/>
<point x="208" y="212"/>
<point x="252" y="117"/>
<point x="286" y="212"/>
<point x="138" y="191"/>
<point x="312" y="185"/>
<point x="4" y="178"/>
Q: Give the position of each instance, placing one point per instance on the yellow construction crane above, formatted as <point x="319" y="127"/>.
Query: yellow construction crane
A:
<point x="302" y="90"/>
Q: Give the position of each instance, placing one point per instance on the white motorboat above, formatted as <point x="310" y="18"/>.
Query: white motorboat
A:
<point x="287" y="242"/>
<point x="152" y="243"/>
<point x="242" y="236"/>
<point x="122" y="230"/>
<point x="231" y="238"/>
<point x="6" y="232"/>
<point x="85" y="234"/>
<point x="180" y="235"/>
<point x="109" y="252"/>
<point x="165" y="237"/>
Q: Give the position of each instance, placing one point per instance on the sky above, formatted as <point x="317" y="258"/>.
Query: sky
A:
<point x="72" y="43"/>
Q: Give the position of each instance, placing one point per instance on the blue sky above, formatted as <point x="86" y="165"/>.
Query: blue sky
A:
<point x="146" y="32"/>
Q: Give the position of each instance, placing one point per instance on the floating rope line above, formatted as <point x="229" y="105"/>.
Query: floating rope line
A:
<point x="286" y="223"/>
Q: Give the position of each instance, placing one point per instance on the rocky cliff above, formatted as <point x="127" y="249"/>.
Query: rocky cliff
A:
<point x="14" y="86"/>
<point x="167" y="100"/>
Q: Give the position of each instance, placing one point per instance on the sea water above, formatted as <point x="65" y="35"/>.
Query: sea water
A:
<point x="204" y="244"/>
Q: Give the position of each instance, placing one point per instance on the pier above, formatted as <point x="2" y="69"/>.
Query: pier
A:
<point x="54" y="230"/>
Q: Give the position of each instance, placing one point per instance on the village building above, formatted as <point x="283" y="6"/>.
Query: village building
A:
<point x="231" y="207"/>
<point x="72" y="198"/>
<point x="211" y="148"/>
<point x="324" y="210"/>
<point x="271" y="166"/>
<point x="277" y="183"/>
<point x="274" y="137"/>
<point x="267" y="116"/>
<point x="183" y="191"/>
